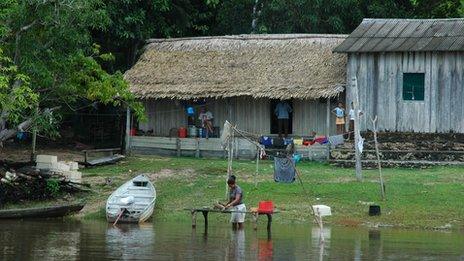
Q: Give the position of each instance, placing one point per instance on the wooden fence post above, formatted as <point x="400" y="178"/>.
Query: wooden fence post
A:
<point x="128" y="130"/>
<point x="178" y="147"/>
<point x="374" y="127"/>
<point x="357" y="134"/>
<point x="197" y="152"/>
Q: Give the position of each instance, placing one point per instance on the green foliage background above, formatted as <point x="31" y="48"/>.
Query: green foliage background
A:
<point x="72" y="52"/>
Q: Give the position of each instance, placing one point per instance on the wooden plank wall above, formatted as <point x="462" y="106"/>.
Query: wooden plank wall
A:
<point x="252" y="115"/>
<point x="162" y="115"/>
<point x="212" y="147"/>
<point x="311" y="115"/>
<point x="380" y="80"/>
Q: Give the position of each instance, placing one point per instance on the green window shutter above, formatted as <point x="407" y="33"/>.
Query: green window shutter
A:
<point x="413" y="86"/>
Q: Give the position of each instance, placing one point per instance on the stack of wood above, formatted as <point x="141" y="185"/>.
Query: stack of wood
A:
<point x="28" y="183"/>
<point x="405" y="150"/>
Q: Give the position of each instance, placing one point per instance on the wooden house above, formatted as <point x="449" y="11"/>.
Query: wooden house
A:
<point x="239" y="78"/>
<point x="410" y="73"/>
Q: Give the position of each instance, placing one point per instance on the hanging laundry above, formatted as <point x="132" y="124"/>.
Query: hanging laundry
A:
<point x="262" y="153"/>
<point x="266" y="141"/>
<point x="284" y="170"/>
<point x="336" y="140"/>
<point x="288" y="141"/>
<point x="226" y="134"/>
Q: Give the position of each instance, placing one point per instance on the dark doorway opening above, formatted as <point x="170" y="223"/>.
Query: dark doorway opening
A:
<point x="274" y="121"/>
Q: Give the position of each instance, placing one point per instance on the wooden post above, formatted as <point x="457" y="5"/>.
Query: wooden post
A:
<point x="254" y="216"/>
<point x="86" y="156"/>
<point x="229" y="160"/>
<point x="197" y="151"/>
<point x="236" y="147"/>
<point x="257" y="166"/>
<point x="128" y="129"/>
<point x="269" y="221"/>
<point x="34" y="133"/>
<point x="327" y="127"/>
<point x="178" y="147"/>
<point x="205" y="215"/>
<point x="374" y="127"/>
<point x="357" y="134"/>
<point x="194" y="219"/>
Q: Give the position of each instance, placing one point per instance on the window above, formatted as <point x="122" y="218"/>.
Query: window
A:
<point x="413" y="86"/>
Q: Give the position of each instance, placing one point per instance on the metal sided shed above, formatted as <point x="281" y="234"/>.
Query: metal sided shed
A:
<point x="410" y="73"/>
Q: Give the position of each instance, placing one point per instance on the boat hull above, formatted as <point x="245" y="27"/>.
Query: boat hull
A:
<point x="132" y="202"/>
<point x="43" y="212"/>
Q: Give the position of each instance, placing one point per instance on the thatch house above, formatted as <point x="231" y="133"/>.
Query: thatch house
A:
<point x="240" y="78"/>
<point x="410" y="73"/>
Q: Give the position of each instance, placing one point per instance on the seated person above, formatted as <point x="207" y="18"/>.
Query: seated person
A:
<point x="206" y="118"/>
<point x="318" y="139"/>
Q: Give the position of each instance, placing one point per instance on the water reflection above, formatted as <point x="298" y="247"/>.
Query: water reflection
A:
<point x="127" y="241"/>
<point x="64" y="240"/>
<point x="40" y="240"/>
<point x="236" y="247"/>
<point x="265" y="249"/>
<point x="320" y="240"/>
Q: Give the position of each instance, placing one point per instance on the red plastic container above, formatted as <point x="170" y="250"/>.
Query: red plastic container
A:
<point x="182" y="132"/>
<point x="266" y="207"/>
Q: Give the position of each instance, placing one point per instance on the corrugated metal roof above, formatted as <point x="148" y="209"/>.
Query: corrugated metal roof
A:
<point x="404" y="35"/>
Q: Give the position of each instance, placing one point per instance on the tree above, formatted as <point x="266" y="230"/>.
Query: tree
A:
<point x="49" y="45"/>
<point x="132" y="22"/>
<point x="437" y="8"/>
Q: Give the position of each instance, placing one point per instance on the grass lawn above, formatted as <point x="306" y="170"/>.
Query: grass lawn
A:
<point x="416" y="198"/>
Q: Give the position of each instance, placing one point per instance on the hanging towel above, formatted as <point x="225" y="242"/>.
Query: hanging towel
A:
<point x="284" y="170"/>
<point x="336" y="140"/>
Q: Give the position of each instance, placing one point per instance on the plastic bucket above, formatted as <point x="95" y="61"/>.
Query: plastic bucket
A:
<point x="182" y="132"/>
<point x="266" y="207"/>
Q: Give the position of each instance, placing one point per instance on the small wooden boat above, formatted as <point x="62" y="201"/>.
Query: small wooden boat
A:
<point x="133" y="202"/>
<point x="41" y="212"/>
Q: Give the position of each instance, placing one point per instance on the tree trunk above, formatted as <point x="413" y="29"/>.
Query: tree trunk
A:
<point x="357" y="135"/>
<point x="6" y="134"/>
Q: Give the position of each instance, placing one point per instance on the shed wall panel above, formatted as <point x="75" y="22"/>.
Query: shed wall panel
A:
<point x="249" y="114"/>
<point x="311" y="115"/>
<point x="380" y="83"/>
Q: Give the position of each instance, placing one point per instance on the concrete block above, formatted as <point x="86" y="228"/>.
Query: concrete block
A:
<point x="73" y="176"/>
<point x="61" y="166"/>
<point x="50" y="166"/>
<point x="46" y="159"/>
<point x="73" y="165"/>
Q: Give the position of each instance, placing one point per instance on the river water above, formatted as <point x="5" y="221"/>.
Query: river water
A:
<point x="95" y="240"/>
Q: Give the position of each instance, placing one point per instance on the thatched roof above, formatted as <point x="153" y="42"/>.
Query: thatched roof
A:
<point x="272" y="66"/>
<point x="405" y="35"/>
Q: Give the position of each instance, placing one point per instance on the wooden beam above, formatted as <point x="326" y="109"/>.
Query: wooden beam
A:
<point x="128" y="129"/>
<point x="357" y="134"/>
<point x="178" y="147"/>
<point x="327" y="127"/>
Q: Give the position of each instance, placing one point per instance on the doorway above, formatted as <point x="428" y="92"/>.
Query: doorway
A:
<point x="274" y="121"/>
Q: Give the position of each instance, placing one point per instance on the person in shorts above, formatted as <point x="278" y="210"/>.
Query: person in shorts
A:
<point x="235" y="203"/>
<point x="339" y="112"/>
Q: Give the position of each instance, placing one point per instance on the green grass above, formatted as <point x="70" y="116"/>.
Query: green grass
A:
<point x="419" y="198"/>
